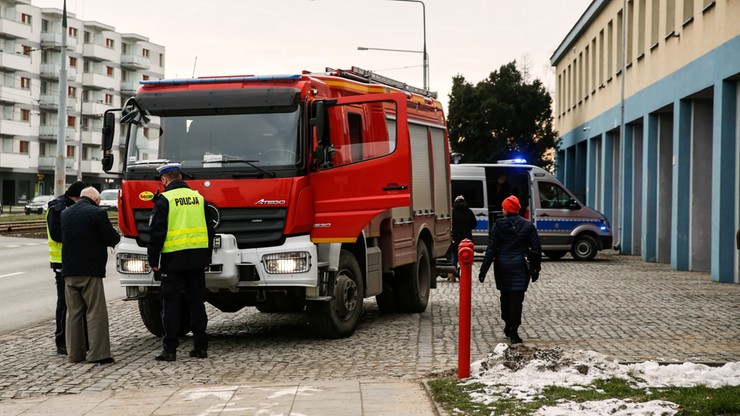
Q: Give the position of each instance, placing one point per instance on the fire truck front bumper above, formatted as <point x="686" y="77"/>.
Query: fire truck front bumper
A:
<point x="293" y="264"/>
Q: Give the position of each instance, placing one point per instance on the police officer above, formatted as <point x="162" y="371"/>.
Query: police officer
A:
<point x="179" y="250"/>
<point x="54" y="237"/>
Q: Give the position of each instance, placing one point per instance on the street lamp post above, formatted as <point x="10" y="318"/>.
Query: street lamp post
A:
<point x="426" y="57"/>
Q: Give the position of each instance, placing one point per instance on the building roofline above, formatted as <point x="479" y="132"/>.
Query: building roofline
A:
<point x="586" y="18"/>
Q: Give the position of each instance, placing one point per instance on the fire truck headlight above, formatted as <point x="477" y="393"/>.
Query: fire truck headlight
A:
<point x="284" y="263"/>
<point x="133" y="263"/>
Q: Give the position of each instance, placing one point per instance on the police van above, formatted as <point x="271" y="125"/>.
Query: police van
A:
<point x="563" y="223"/>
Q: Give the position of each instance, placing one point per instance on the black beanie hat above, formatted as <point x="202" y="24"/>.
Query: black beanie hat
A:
<point x="75" y="189"/>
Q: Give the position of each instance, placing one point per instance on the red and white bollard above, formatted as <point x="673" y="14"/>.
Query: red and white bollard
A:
<point x="465" y="257"/>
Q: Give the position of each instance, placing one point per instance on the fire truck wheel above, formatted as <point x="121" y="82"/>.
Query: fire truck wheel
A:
<point x="150" y="309"/>
<point x="416" y="280"/>
<point x="338" y="318"/>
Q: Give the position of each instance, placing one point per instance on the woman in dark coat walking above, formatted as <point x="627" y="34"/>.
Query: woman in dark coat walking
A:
<point x="511" y="242"/>
<point x="463" y="223"/>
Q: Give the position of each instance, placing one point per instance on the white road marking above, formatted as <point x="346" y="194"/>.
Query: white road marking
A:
<point x="11" y="274"/>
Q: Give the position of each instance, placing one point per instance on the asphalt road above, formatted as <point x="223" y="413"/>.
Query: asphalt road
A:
<point x="27" y="290"/>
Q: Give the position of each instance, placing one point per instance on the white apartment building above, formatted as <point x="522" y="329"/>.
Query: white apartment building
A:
<point x="648" y="110"/>
<point x="104" y="68"/>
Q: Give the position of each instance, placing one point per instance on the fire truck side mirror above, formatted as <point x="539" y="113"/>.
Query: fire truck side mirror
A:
<point x="107" y="162"/>
<point x="109" y="129"/>
<point x="319" y="122"/>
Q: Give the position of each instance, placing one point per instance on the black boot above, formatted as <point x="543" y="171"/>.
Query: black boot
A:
<point x="507" y="331"/>
<point x="166" y="356"/>
<point x="514" y="335"/>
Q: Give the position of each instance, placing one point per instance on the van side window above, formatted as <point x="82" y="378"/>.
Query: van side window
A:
<point x="553" y="196"/>
<point x="471" y="190"/>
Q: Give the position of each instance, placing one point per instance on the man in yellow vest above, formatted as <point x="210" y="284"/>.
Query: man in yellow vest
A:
<point x="54" y="237"/>
<point x="181" y="239"/>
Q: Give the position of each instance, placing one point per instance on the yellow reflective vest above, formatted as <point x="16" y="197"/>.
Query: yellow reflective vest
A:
<point x="186" y="222"/>
<point x="55" y="248"/>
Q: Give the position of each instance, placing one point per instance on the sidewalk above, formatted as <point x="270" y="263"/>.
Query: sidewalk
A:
<point x="309" y="398"/>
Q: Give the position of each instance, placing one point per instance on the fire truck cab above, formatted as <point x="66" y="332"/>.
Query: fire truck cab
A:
<point x="323" y="189"/>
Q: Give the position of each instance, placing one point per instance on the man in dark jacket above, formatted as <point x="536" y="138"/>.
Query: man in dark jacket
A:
<point x="54" y="239"/>
<point x="511" y="241"/>
<point x="86" y="235"/>
<point x="463" y="223"/>
<point x="180" y="243"/>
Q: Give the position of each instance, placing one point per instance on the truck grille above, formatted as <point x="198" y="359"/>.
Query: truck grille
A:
<point x="252" y="227"/>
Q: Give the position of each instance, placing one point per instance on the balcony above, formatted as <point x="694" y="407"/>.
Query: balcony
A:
<point x="129" y="87"/>
<point x="15" y="95"/>
<point x="50" y="132"/>
<point x="16" y="62"/>
<point x="51" y="102"/>
<point x="15" y="128"/>
<point x="92" y="166"/>
<point x="100" y="53"/>
<point x="13" y="29"/>
<point x="52" y="71"/>
<point x="49" y="162"/>
<point x="99" y="81"/>
<point x="92" y="137"/>
<point x="94" y="108"/>
<point x="54" y="41"/>
<point x="15" y="160"/>
<point x="135" y="62"/>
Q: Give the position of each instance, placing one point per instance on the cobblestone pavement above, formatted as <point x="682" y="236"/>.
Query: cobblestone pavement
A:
<point x="616" y="305"/>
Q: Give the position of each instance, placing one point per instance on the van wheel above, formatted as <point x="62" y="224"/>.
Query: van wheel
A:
<point x="416" y="282"/>
<point x="584" y="248"/>
<point x="555" y="255"/>
<point x="339" y="317"/>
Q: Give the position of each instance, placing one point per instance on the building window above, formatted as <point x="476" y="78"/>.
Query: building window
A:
<point x="23" y="148"/>
<point x="44" y="25"/>
<point x="70" y="151"/>
<point x="602" y="56"/>
<point x="25" y="83"/>
<point x="109" y="99"/>
<point x="71" y="120"/>
<point x="109" y="43"/>
<point x="654" y="22"/>
<point x="71" y="92"/>
<point x="594" y="66"/>
<point x="670" y="17"/>
<point x="610" y="52"/>
<point x="109" y="71"/>
<point x="688" y="10"/>
<point x="641" y="26"/>
<point x="145" y="77"/>
<point x="86" y="37"/>
<point x="26" y="18"/>
<point x="72" y="32"/>
<point x="7" y="145"/>
<point x="145" y="53"/>
<point x="73" y="62"/>
<point x="26" y="50"/>
<point x="25" y="115"/>
<point x="161" y="59"/>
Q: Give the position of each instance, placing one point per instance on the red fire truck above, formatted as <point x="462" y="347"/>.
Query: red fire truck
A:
<point x="324" y="189"/>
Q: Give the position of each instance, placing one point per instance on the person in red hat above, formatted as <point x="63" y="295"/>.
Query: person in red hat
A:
<point x="515" y="251"/>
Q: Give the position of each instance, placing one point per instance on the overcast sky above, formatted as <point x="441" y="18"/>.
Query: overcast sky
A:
<point x="248" y="37"/>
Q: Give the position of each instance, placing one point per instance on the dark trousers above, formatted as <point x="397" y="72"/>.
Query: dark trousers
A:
<point x="61" y="313"/>
<point x="511" y="308"/>
<point x="173" y="285"/>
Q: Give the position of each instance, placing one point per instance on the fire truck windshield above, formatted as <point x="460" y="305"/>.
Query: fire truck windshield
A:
<point x="209" y="141"/>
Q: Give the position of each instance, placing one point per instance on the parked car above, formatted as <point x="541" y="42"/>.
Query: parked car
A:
<point x="109" y="199"/>
<point x="39" y="204"/>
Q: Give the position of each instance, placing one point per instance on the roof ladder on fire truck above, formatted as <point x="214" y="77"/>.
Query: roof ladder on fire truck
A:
<point x="364" y="75"/>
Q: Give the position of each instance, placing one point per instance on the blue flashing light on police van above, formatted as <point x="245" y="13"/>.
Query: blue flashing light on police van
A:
<point x="518" y="161"/>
